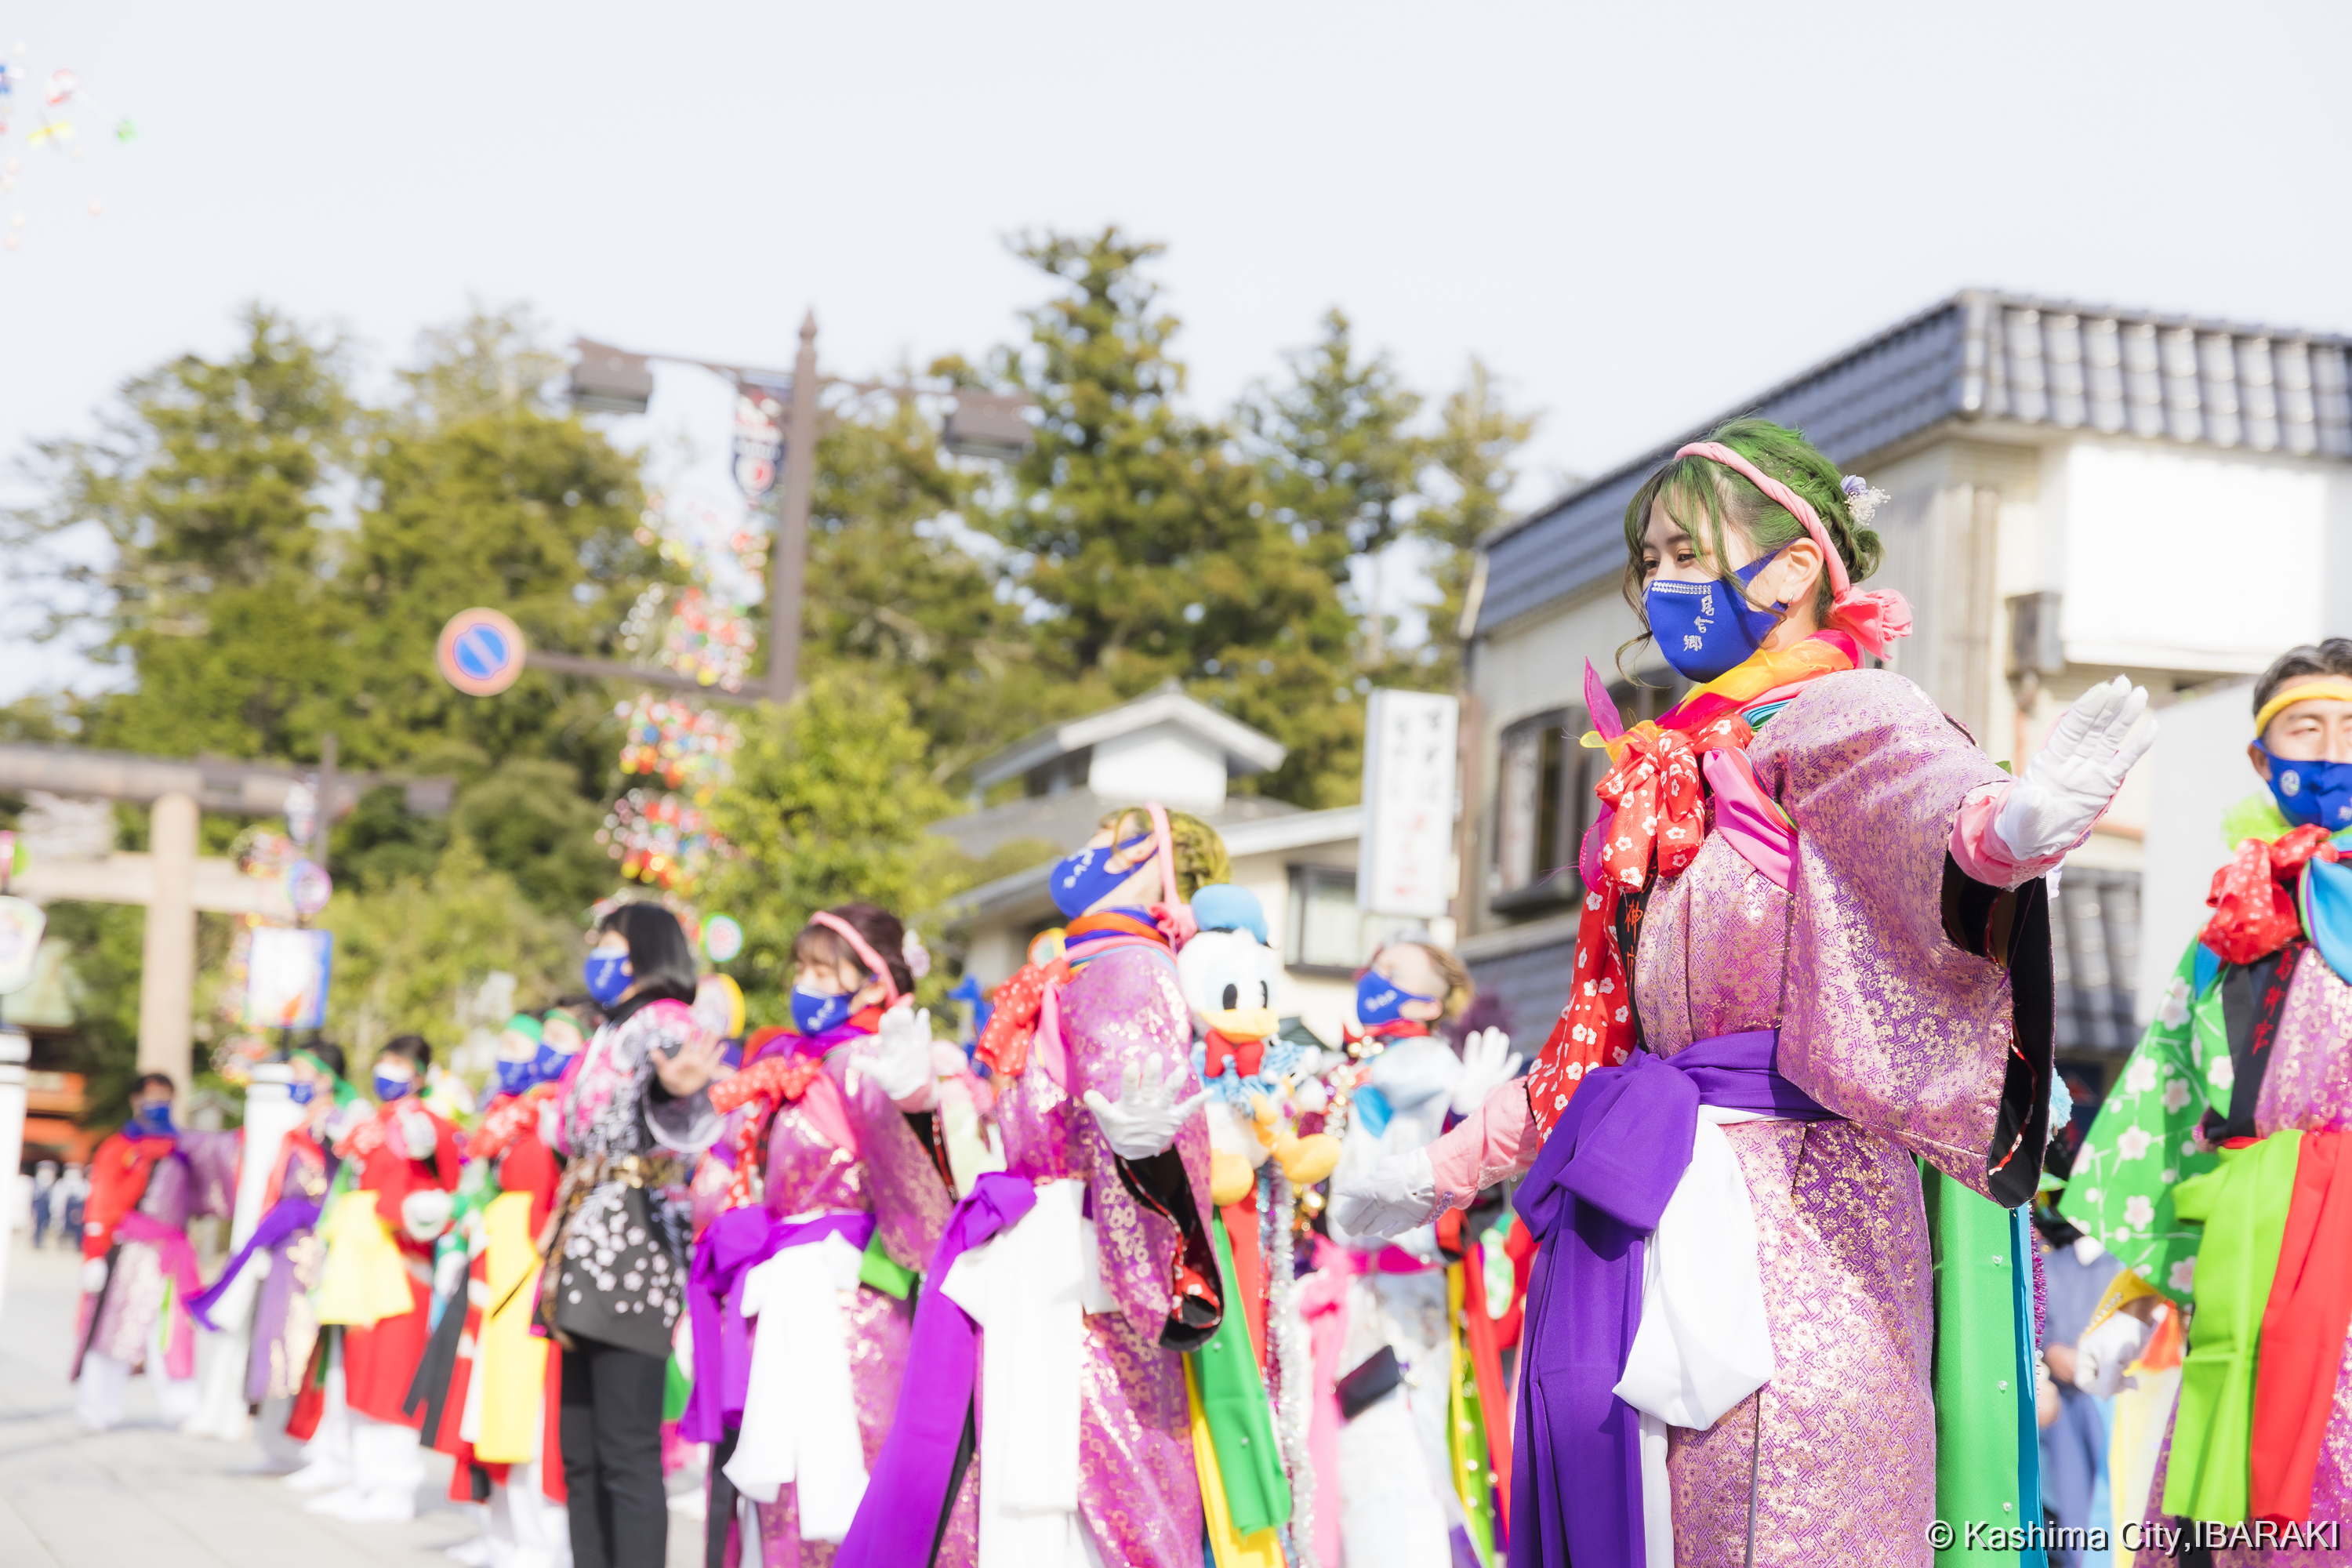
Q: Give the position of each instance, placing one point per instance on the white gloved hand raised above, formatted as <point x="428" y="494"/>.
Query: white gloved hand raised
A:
<point x="417" y="1132"/>
<point x="1488" y="1060"/>
<point x="2102" y="1354"/>
<point x="898" y="1058"/>
<point x="2073" y="777"/>
<point x="1149" y="1113"/>
<point x="425" y="1215"/>
<point x="1400" y="1194"/>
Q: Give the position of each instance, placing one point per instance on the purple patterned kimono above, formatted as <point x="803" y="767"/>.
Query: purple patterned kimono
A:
<point x="199" y="1178"/>
<point x="2307" y="1087"/>
<point x="1137" y="1492"/>
<point x="1901" y="1035"/>
<point x="891" y="1175"/>
<point x="284" y="1319"/>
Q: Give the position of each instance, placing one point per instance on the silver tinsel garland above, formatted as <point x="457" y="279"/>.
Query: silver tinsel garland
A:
<point x="1294" y="1404"/>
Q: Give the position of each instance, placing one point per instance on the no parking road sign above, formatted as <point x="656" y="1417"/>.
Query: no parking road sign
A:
<point x="481" y="652"/>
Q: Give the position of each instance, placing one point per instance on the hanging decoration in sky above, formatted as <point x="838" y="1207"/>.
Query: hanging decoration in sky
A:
<point x="47" y="118"/>
<point x="685" y="746"/>
<point x="663" y="840"/>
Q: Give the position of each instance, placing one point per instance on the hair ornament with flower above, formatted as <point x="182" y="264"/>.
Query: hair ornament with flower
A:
<point x="1863" y="499"/>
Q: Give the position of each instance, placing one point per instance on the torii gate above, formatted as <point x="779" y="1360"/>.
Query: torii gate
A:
<point x="170" y="878"/>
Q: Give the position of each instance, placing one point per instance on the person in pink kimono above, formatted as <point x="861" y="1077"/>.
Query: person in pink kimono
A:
<point x="1084" y="1268"/>
<point x="1814" y="950"/>
<point x="800" y="1284"/>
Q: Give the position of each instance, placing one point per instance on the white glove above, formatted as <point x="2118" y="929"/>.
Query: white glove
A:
<point x="1488" y="1060"/>
<point x="1145" y="1121"/>
<point x="2102" y="1354"/>
<point x="2074" y="776"/>
<point x="416" y="1130"/>
<point x="1399" y="1195"/>
<point x="93" y="1276"/>
<point x="448" y="1271"/>
<point x="898" y="1059"/>
<point x="425" y="1215"/>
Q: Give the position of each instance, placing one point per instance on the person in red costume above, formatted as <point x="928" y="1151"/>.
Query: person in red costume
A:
<point x="407" y="1158"/>
<point x="147" y="1182"/>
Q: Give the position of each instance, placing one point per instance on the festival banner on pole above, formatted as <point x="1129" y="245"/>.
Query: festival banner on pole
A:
<point x="758" y="437"/>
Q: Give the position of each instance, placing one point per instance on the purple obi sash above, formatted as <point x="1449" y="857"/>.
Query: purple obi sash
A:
<point x="1593" y="1195"/>
<point x="734" y="1244"/>
<point x="907" y="1496"/>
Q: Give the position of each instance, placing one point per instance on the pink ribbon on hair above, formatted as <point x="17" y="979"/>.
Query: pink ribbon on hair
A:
<point x="1173" y="916"/>
<point x="858" y="945"/>
<point x="1875" y="618"/>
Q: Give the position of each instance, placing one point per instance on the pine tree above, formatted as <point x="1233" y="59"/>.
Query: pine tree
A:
<point x="1475" y="453"/>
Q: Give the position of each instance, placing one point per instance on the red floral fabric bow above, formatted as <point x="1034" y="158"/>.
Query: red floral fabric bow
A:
<point x="764" y="1084"/>
<point x="2253" y="897"/>
<point x="1660" y="821"/>
<point x="1005" y="1044"/>
<point x="506" y="1122"/>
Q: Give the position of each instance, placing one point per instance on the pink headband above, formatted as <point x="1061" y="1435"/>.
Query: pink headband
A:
<point x="1875" y="618"/>
<point x="873" y="965"/>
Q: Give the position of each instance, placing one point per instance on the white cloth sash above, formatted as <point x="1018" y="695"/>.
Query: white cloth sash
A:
<point x="1704" y="1343"/>
<point x="800" y="1415"/>
<point x="1026" y="1289"/>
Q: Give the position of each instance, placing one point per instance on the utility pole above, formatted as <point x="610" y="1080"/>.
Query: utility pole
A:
<point x="786" y="571"/>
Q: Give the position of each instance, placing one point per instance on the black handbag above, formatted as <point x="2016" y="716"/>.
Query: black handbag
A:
<point x="1372" y="1380"/>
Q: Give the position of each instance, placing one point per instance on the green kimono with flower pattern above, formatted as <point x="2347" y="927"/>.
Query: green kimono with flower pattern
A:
<point x="2145" y="1141"/>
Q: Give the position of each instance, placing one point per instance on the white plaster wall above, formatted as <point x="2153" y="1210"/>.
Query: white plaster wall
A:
<point x="2193" y="559"/>
<point x="1162" y="762"/>
<point x="2197" y="771"/>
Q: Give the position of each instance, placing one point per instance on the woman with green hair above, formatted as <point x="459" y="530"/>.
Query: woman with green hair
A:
<point x="1814" y="953"/>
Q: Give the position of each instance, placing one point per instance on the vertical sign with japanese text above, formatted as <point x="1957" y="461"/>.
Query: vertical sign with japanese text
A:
<point x="1405" y="864"/>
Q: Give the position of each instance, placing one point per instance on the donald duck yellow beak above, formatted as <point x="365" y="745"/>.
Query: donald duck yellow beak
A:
<point x="1238" y="1024"/>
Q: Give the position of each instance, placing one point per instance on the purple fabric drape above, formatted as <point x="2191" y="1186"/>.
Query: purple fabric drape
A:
<point x="290" y="1216"/>
<point x="1591" y="1199"/>
<point x="907" y="1489"/>
<point x="737" y="1242"/>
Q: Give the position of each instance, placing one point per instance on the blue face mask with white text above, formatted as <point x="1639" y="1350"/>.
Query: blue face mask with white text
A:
<point x="813" y="1011"/>
<point x="1704" y="629"/>
<point x="1082" y="880"/>
<point x="607" y="975"/>
<point x="513" y="1077"/>
<point x="2318" y="793"/>
<point x="388" y="1089"/>
<point x="1380" y="1000"/>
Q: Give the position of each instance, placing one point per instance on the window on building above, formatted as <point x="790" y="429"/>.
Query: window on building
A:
<point x="1326" y="930"/>
<point x="1543" y="801"/>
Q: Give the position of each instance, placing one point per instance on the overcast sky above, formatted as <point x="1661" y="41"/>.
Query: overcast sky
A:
<point x="1638" y="216"/>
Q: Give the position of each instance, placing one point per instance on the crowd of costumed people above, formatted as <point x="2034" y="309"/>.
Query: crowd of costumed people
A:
<point x="1782" y="1246"/>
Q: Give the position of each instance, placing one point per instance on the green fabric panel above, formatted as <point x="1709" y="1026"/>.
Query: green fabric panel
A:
<point x="2243" y="1208"/>
<point x="2143" y="1143"/>
<point x="676" y="1386"/>
<point x="884" y="1272"/>
<point x="1234" y="1403"/>
<point x="1976" y="1365"/>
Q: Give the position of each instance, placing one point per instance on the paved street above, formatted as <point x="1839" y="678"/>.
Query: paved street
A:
<point x="143" y="1495"/>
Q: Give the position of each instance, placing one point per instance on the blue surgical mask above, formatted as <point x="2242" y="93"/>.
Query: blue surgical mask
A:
<point x="549" y="1065"/>
<point x="1082" y="880"/>
<point x="2312" y="792"/>
<point x="1380" y="1000"/>
<point x="1704" y="629"/>
<point x="388" y="1089"/>
<point x="513" y="1077"/>
<point x="608" y="974"/>
<point x="154" y="1119"/>
<point x="813" y="1011"/>
<point x="300" y="1091"/>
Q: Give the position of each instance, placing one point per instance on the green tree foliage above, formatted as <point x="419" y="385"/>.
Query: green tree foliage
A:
<point x="831" y="803"/>
<point x="896" y="588"/>
<point x="1142" y="538"/>
<point x="1341" y="467"/>
<point x="410" y="954"/>
<point x="1475" y="452"/>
